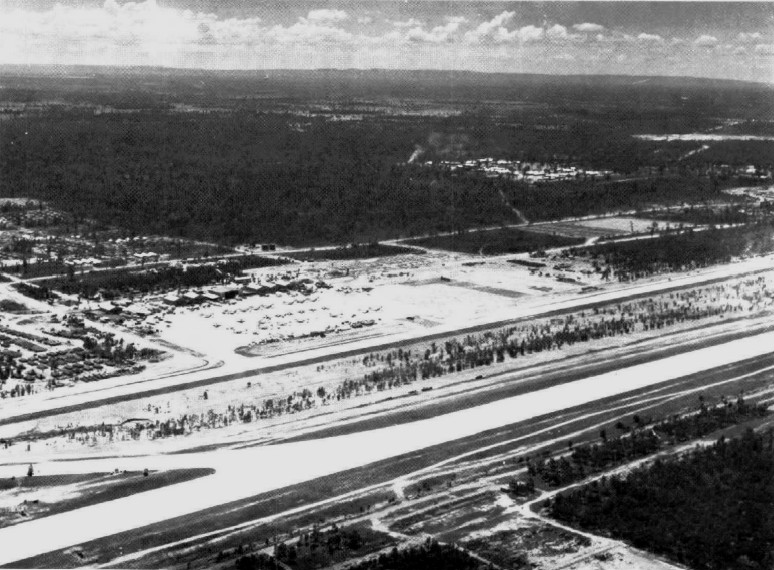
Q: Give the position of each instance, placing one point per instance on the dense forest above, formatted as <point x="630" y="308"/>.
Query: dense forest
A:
<point x="712" y="508"/>
<point x="238" y="178"/>
<point x="244" y="158"/>
<point x="682" y="251"/>
<point x="705" y="215"/>
<point x="640" y="439"/>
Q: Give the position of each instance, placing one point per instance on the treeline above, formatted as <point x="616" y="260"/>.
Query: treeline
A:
<point x="556" y="200"/>
<point x="39" y="293"/>
<point x="684" y="251"/>
<point x="119" y="282"/>
<point x="320" y="549"/>
<point x="642" y="439"/>
<point x="496" y="242"/>
<point x="711" y="508"/>
<point x="353" y="251"/>
<point x="255" y="562"/>
<point x="429" y="556"/>
<point x="404" y="366"/>
<point x="702" y="215"/>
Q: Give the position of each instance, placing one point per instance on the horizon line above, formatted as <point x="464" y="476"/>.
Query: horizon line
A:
<point x="161" y="68"/>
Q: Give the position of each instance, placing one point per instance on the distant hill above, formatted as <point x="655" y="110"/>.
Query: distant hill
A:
<point x="147" y="87"/>
<point x="459" y="77"/>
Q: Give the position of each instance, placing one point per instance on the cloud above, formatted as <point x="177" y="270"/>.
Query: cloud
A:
<point x="492" y="31"/>
<point x="495" y="31"/>
<point x="150" y="32"/>
<point x="325" y="15"/>
<point x="308" y="32"/>
<point x="557" y="32"/>
<point x="529" y="34"/>
<point x="410" y="23"/>
<point x="437" y="35"/>
<point x="587" y="27"/>
<point x="705" y="41"/>
<point x="749" y="38"/>
<point x="643" y="37"/>
<point x="144" y="32"/>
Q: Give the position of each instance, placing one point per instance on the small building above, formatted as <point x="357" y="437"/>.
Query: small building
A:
<point x="191" y="297"/>
<point x="225" y="291"/>
<point x="172" y="299"/>
<point x="108" y="307"/>
<point x="146" y="257"/>
<point x="139" y="310"/>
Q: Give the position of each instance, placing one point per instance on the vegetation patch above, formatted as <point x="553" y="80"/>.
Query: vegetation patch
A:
<point x="496" y="242"/>
<point x="319" y="549"/>
<point x="11" y="306"/>
<point x="711" y="508"/>
<point x="118" y="282"/>
<point x="640" y="440"/>
<point x="353" y="251"/>
<point x="512" y="548"/>
<point x="702" y="215"/>
<point x="683" y="251"/>
<point x="429" y="556"/>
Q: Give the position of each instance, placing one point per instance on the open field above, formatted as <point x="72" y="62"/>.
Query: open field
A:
<point x="599" y="227"/>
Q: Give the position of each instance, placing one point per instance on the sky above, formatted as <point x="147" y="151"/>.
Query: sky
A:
<point x="733" y="40"/>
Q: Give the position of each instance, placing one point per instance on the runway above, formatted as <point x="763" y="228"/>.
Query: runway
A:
<point x="247" y="472"/>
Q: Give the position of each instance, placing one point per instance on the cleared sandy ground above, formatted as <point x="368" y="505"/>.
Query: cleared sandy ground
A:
<point x="243" y="473"/>
<point x="127" y="387"/>
<point x="704" y="137"/>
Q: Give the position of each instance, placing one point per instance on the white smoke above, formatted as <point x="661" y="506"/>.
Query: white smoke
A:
<point x="419" y="151"/>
